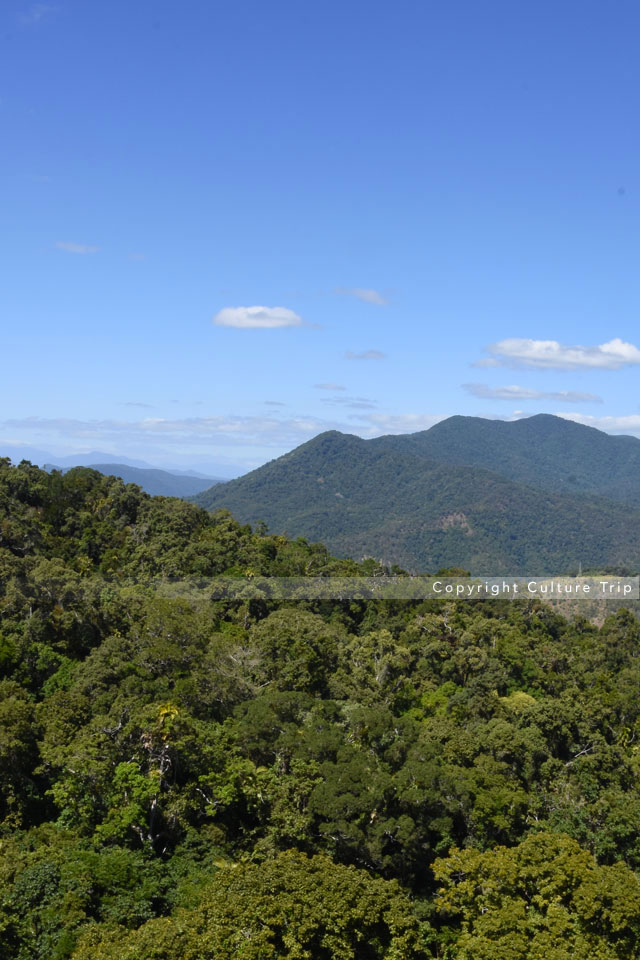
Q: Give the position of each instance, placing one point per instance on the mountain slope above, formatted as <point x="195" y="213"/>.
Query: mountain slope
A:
<point x="364" y="497"/>
<point x="158" y="483"/>
<point x="544" y="451"/>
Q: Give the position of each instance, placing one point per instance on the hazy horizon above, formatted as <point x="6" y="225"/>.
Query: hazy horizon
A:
<point x="218" y="469"/>
<point x="232" y="227"/>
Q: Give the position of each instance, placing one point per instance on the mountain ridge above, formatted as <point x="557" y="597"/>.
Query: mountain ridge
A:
<point x="387" y="498"/>
<point x="156" y="482"/>
<point x="550" y="452"/>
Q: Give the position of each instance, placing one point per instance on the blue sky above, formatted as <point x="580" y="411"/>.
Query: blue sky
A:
<point x="434" y="205"/>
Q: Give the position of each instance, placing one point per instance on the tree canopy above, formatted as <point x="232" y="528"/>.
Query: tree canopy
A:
<point x="390" y="779"/>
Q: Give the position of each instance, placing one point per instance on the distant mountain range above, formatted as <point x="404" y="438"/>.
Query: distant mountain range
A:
<point x="17" y="452"/>
<point x="158" y="483"/>
<point x="542" y="495"/>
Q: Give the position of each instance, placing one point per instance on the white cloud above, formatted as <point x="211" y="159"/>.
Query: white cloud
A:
<point x="367" y="295"/>
<point x="193" y="431"/>
<point x="550" y="354"/>
<point x="365" y="355"/>
<point x="354" y="403"/>
<point x="190" y="439"/>
<point x="485" y="392"/>
<point x="487" y="362"/>
<point x="626" y="425"/>
<point x="257" y="318"/>
<point x="329" y="386"/>
<point x="81" y="248"/>
<point x="36" y="13"/>
<point x="380" y="423"/>
<point x="241" y="440"/>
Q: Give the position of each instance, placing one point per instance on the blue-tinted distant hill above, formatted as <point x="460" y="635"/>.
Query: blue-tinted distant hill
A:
<point x="24" y="451"/>
<point x="425" y="504"/>
<point x="47" y="460"/>
<point x="158" y="483"/>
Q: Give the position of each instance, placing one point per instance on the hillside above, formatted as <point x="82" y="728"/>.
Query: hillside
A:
<point x="383" y="500"/>
<point x="157" y="483"/>
<point x="181" y="780"/>
<point x="544" y="451"/>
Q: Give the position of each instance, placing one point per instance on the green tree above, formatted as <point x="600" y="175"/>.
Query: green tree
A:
<point x="546" y="897"/>
<point x="288" y="908"/>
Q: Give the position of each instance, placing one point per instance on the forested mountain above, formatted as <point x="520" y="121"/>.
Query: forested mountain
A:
<point x="353" y="780"/>
<point x="159" y="483"/>
<point x="544" y="451"/>
<point x="381" y="498"/>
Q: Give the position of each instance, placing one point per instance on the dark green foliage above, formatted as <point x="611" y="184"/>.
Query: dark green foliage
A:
<point x="188" y="780"/>
<point x="542" y="451"/>
<point x="291" y="906"/>
<point x="158" y="483"/>
<point x="422" y="505"/>
<point x="545" y="898"/>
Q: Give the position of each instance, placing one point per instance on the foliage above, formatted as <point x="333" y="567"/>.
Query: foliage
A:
<point x="159" y="483"/>
<point x="291" y="907"/>
<point x="439" y="499"/>
<point x="166" y="763"/>
<point x="545" y="897"/>
<point x="543" y="451"/>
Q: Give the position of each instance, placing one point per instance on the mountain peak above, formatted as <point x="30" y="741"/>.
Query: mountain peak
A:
<point x="494" y="496"/>
<point x="332" y="440"/>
